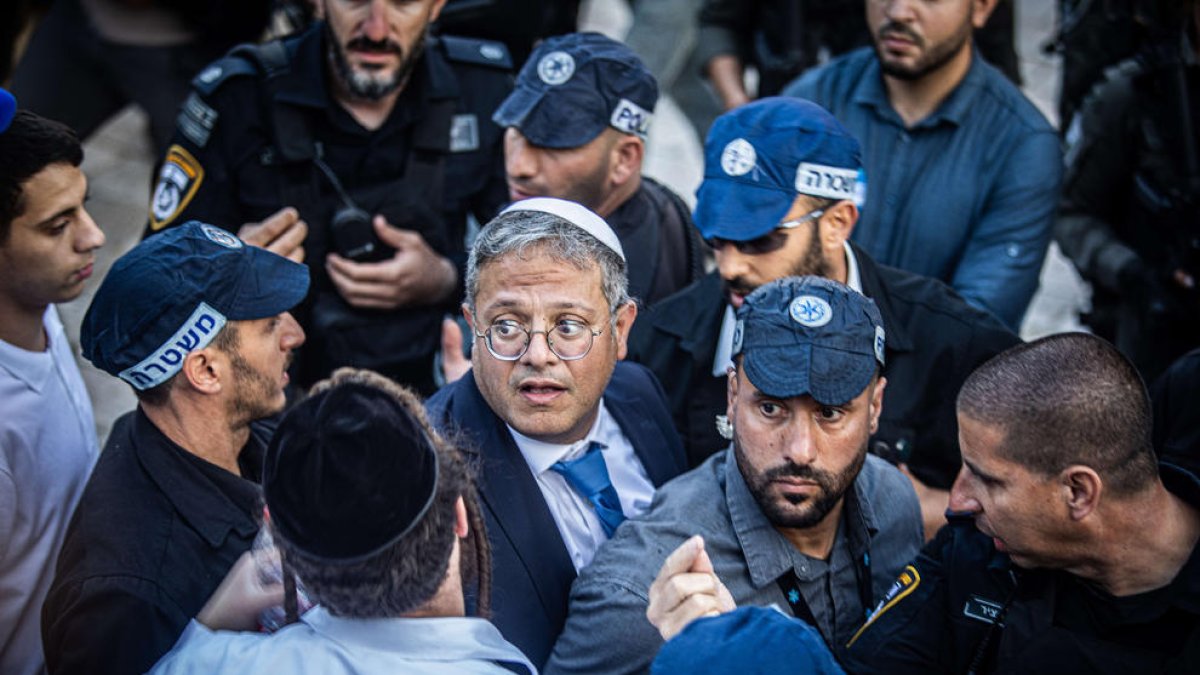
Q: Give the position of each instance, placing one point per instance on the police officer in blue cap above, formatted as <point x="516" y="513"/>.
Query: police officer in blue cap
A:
<point x="782" y="186"/>
<point x="794" y="513"/>
<point x="576" y="127"/>
<point x="197" y="322"/>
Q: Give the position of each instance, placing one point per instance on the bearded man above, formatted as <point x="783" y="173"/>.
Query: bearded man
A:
<point x="964" y="170"/>
<point x="795" y="513"/>
<point x="361" y="147"/>
<point x="781" y="192"/>
<point x="197" y="323"/>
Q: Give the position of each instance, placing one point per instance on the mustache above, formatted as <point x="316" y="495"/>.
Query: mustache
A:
<point x="365" y="44"/>
<point x="798" y="471"/>
<point x="893" y="28"/>
<point x="738" y="285"/>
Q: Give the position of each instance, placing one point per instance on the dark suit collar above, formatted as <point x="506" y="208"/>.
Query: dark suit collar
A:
<point x="624" y="403"/>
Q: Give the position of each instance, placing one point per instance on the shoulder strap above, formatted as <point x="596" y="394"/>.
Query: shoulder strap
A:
<point x="475" y="52"/>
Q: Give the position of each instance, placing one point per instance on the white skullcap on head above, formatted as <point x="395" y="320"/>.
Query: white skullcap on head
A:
<point x="574" y="213"/>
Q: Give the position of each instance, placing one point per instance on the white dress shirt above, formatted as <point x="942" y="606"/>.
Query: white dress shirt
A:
<point x="573" y="514"/>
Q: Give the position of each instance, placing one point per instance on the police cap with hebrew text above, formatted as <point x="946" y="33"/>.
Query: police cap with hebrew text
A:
<point x="173" y="292"/>
<point x="809" y="336"/>
<point x="575" y="86"/>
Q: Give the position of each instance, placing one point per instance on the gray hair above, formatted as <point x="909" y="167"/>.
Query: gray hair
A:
<point x="520" y="232"/>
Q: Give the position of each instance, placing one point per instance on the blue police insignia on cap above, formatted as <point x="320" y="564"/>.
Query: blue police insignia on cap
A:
<point x="810" y="311"/>
<point x="738" y="158"/>
<point x="556" y="68"/>
<point x="879" y="343"/>
<point x="219" y="236"/>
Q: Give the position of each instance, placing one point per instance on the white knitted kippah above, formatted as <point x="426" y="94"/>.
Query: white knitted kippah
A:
<point x="574" y="213"/>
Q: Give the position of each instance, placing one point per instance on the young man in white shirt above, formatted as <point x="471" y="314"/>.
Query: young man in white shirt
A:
<point x="47" y="434"/>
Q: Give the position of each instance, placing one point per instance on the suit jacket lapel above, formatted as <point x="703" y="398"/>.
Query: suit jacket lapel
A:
<point x="647" y="438"/>
<point x="511" y="494"/>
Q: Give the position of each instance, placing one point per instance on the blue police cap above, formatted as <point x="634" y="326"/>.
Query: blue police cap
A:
<point x="758" y="157"/>
<point x="809" y="335"/>
<point x="575" y="85"/>
<point x="8" y="108"/>
<point x="174" y="292"/>
<point x="746" y="641"/>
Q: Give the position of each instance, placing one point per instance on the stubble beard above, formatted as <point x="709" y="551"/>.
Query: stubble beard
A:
<point x="832" y="488"/>
<point x="938" y="55"/>
<point x="368" y="85"/>
<point x="813" y="263"/>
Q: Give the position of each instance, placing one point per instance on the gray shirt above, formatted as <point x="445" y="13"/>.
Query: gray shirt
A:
<point x="607" y="630"/>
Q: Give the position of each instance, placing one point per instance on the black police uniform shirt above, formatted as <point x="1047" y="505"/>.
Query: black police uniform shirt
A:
<point x="436" y="159"/>
<point x="155" y="532"/>
<point x="963" y="607"/>
<point x="663" y="248"/>
<point x="934" y="340"/>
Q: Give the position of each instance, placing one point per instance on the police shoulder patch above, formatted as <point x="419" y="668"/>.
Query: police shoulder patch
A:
<point x="901" y="588"/>
<point x="178" y="181"/>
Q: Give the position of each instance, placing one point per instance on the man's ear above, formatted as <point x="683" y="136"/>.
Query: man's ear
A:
<point x="1081" y="489"/>
<point x="981" y="10"/>
<point x="626" y="315"/>
<point x="731" y="388"/>
<point x="461" y="522"/>
<point x="877" y="402"/>
<point x="836" y="226"/>
<point x="626" y="158"/>
<point x="206" y="370"/>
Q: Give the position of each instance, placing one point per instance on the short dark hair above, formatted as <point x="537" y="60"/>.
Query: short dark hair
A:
<point x="1066" y="399"/>
<point x="408" y="573"/>
<point x="30" y="144"/>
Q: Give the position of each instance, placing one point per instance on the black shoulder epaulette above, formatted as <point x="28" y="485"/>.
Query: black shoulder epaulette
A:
<point x="222" y="70"/>
<point x="476" y="52"/>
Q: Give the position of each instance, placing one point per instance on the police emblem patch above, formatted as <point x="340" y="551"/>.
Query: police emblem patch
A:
<point x="901" y="588"/>
<point x="219" y="236"/>
<point x="738" y="157"/>
<point x="178" y="181"/>
<point x="810" y="311"/>
<point x="556" y="68"/>
<point x="464" y="133"/>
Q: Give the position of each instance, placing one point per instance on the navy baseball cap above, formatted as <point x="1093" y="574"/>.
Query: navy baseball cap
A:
<point x="758" y="157"/>
<point x="809" y="335"/>
<point x="174" y="292"/>
<point x="575" y="85"/>
<point x="8" y="108"/>
<point x="747" y="641"/>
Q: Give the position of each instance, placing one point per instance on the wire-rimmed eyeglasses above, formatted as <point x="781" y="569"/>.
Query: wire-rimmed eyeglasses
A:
<point x="568" y="340"/>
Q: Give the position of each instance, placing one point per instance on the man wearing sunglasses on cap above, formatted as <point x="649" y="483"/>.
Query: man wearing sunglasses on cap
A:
<point x="781" y="193"/>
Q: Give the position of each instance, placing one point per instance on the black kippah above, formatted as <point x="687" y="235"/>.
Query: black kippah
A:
<point x="348" y="472"/>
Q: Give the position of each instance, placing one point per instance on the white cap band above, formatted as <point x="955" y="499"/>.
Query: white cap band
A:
<point x="574" y="213"/>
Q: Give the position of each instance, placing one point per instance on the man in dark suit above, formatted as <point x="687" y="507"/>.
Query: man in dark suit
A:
<point x="569" y="440"/>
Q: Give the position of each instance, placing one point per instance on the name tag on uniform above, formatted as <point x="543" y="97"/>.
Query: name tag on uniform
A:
<point x="982" y="609"/>
<point x="464" y="133"/>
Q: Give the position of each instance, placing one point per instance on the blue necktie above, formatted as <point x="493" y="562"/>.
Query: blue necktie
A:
<point x="589" y="476"/>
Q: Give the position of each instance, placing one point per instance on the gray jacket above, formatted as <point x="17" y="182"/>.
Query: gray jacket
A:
<point x="607" y="631"/>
